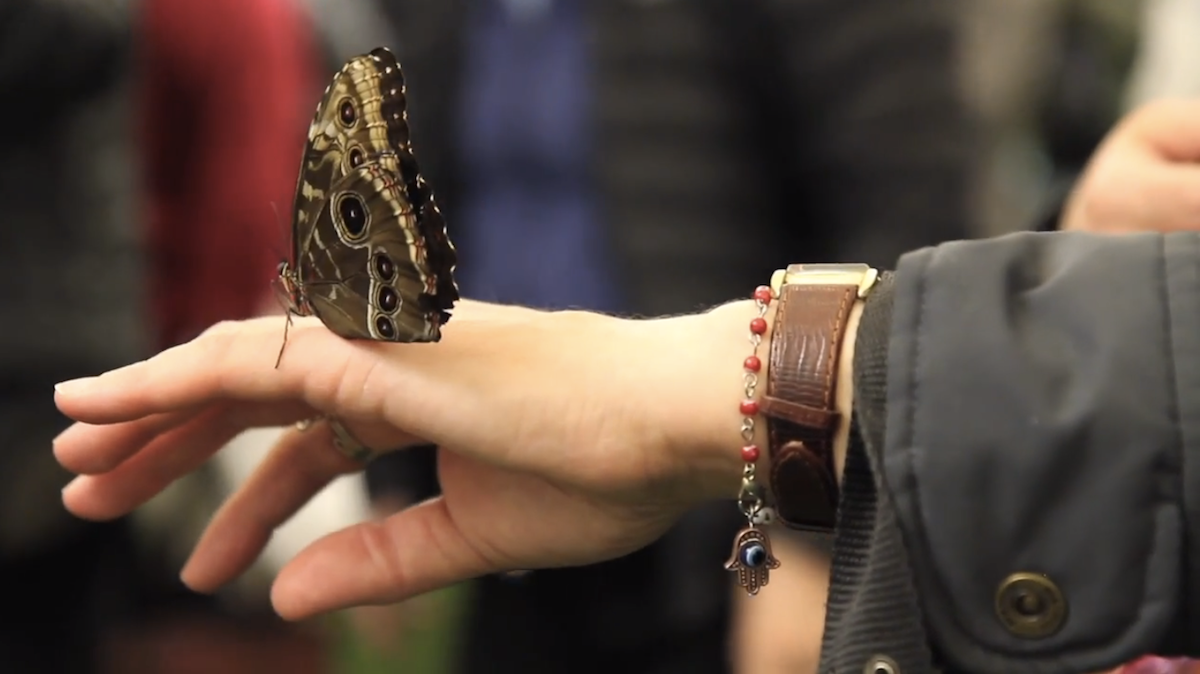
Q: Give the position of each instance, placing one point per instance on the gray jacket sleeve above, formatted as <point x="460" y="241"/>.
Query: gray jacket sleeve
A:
<point x="56" y="51"/>
<point x="1026" y="405"/>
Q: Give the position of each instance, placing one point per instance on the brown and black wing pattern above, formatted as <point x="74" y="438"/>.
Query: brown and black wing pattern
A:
<point x="366" y="269"/>
<point x="350" y="128"/>
<point x="359" y="156"/>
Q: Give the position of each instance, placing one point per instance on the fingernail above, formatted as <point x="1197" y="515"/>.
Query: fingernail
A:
<point x="71" y="486"/>
<point x="73" y="386"/>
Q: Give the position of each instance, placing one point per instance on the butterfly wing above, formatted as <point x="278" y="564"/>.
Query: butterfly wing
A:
<point x="368" y="270"/>
<point x="361" y="116"/>
<point x="359" y="158"/>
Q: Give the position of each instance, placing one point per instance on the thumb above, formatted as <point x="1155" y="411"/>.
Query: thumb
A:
<point x="418" y="550"/>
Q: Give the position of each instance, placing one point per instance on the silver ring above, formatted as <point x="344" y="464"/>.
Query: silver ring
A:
<point x="345" y="443"/>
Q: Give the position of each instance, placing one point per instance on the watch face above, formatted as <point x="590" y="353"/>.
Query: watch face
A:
<point x="848" y="273"/>
<point x="839" y="268"/>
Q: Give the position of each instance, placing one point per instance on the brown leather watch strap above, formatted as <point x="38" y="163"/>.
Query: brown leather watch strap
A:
<point x="799" y="404"/>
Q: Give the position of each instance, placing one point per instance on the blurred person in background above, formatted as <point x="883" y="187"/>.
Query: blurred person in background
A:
<point x="72" y="303"/>
<point x="1087" y="76"/>
<point x="1167" y="63"/>
<point x="598" y="154"/>
<point x="225" y="97"/>
<point x="1046" y="105"/>
<point x="1144" y="176"/>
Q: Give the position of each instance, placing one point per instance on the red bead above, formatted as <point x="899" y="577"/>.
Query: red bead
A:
<point x="750" y="453"/>
<point x="749" y="408"/>
<point x="752" y="364"/>
<point x="758" y="325"/>
<point x="762" y="294"/>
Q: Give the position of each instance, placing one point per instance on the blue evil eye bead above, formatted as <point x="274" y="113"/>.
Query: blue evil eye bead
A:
<point x="753" y="555"/>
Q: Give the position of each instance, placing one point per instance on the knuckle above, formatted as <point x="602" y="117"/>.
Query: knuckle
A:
<point x="381" y="553"/>
<point x="220" y="329"/>
<point x="337" y="383"/>
<point x="1157" y="112"/>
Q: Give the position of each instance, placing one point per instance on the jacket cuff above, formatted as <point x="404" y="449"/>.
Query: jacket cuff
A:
<point x="1034" y="451"/>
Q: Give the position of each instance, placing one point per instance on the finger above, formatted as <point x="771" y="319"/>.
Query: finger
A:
<point x="301" y="464"/>
<point x="151" y="467"/>
<point x="413" y="552"/>
<point x="137" y="480"/>
<point x="89" y="449"/>
<point x="232" y="361"/>
<point x="1169" y="198"/>
<point x="86" y="449"/>
<point x="1159" y="197"/>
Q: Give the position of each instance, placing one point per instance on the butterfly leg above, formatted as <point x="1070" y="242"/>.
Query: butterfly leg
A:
<point x="286" y="325"/>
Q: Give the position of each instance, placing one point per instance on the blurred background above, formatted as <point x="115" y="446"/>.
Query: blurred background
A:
<point x="631" y="156"/>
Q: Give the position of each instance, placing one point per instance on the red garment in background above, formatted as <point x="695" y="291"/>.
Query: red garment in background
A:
<point x="227" y="91"/>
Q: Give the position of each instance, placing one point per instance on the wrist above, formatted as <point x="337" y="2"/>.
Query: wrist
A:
<point x="700" y="388"/>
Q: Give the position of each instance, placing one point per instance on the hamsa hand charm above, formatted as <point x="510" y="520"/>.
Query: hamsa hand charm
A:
<point x="752" y="559"/>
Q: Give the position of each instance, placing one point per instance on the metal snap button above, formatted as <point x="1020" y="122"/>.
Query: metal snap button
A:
<point x="1030" y="605"/>
<point x="881" y="664"/>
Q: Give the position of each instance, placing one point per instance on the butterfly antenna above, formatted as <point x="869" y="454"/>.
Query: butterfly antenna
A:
<point x="287" y="324"/>
<point x="283" y="232"/>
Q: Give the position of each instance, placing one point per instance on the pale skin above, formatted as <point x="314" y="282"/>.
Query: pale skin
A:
<point x="1144" y="177"/>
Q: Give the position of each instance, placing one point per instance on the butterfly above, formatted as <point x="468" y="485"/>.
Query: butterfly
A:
<point x="370" y="256"/>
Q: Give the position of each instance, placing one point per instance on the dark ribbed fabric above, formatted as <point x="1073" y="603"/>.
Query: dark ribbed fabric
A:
<point x="873" y="609"/>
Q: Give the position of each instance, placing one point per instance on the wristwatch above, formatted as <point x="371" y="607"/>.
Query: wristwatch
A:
<point x="800" y="403"/>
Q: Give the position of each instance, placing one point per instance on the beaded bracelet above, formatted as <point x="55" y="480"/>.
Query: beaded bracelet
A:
<point x="752" y="559"/>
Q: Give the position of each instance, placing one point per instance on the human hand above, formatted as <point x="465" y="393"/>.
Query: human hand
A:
<point x="566" y="438"/>
<point x="1144" y="176"/>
